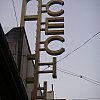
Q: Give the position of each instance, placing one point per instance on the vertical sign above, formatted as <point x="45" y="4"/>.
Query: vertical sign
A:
<point x="53" y="28"/>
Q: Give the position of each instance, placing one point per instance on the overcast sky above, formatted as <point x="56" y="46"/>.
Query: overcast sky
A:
<point x="82" y="21"/>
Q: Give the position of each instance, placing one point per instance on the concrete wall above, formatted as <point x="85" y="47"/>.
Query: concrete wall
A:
<point x="20" y="49"/>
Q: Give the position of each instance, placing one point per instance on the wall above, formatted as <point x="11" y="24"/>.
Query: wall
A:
<point x="20" y="49"/>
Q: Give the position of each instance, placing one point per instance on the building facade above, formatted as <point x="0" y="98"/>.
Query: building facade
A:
<point x="11" y="84"/>
<point x="20" y="50"/>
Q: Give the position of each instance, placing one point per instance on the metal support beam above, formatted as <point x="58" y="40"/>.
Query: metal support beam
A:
<point x="37" y="52"/>
<point x="29" y="80"/>
<point x="42" y="49"/>
<point x="54" y="68"/>
<point x="39" y="97"/>
<point x="45" y="91"/>
<point x="41" y="88"/>
<point x="30" y="17"/>
<point x="50" y="23"/>
<point x="23" y="13"/>
<point x="47" y="63"/>
<point x="46" y="71"/>
<point x="31" y="57"/>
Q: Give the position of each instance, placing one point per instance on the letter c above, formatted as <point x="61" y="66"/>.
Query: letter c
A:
<point x="54" y="52"/>
<point x="52" y="2"/>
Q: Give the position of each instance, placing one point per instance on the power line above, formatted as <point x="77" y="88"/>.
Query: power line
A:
<point x="69" y="73"/>
<point x="15" y="12"/>
<point x="91" y="81"/>
<point x="88" y="99"/>
<point x="76" y="75"/>
<point x="46" y="67"/>
<point x="80" y="76"/>
<point x="93" y="98"/>
<point x="78" y="47"/>
<point x="74" y="51"/>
